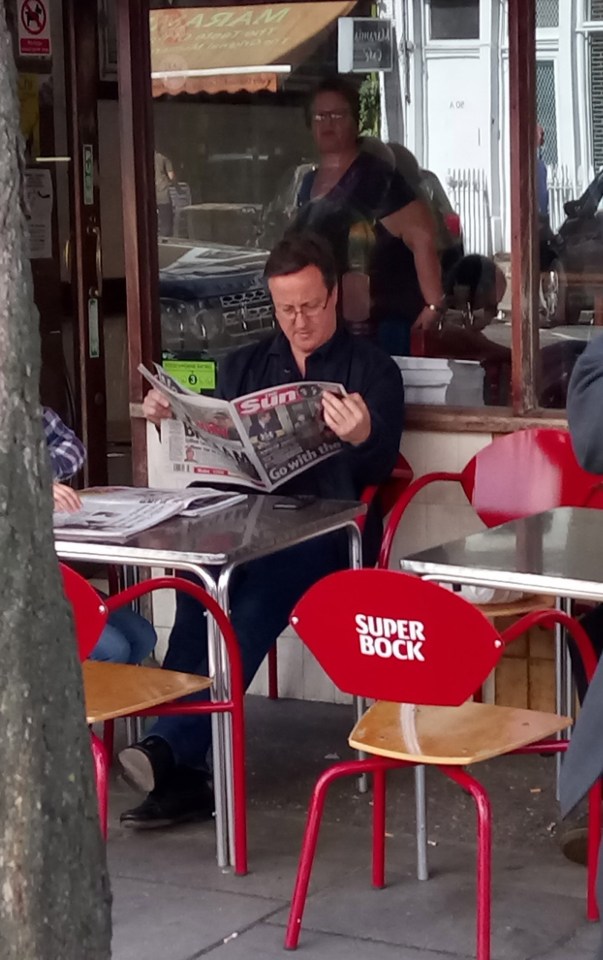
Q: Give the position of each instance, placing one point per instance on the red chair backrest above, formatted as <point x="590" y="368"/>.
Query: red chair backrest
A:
<point x="89" y="612"/>
<point x="392" y="636"/>
<point x="524" y="473"/>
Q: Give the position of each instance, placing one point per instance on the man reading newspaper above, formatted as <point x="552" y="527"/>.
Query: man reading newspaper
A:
<point x="170" y="763"/>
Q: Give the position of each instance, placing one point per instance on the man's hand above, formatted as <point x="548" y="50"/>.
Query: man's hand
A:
<point x="426" y="320"/>
<point x="348" y="417"/>
<point x="65" y="498"/>
<point x="156" y="407"/>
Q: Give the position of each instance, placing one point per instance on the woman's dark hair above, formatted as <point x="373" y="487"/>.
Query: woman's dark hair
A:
<point x="298" y="250"/>
<point x="336" y="84"/>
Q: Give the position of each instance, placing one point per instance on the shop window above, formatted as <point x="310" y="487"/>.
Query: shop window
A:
<point x="454" y="19"/>
<point x="546" y="109"/>
<point x="596" y="10"/>
<point x="547" y="14"/>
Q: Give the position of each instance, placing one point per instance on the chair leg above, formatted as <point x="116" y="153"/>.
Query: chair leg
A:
<point x="273" y="673"/>
<point x="101" y="768"/>
<point x="484" y="856"/>
<point x="308" y="850"/>
<point x="594" y="840"/>
<point x="379" y="828"/>
<point x="239" y="791"/>
<point x="109" y="739"/>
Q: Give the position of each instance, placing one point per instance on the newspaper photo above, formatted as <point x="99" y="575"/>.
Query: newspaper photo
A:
<point x="116" y="513"/>
<point x="260" y="440"/>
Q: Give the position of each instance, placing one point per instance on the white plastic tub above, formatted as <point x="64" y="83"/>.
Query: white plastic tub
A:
<point x="467" y="386"/>
<point x="426" y="379"/>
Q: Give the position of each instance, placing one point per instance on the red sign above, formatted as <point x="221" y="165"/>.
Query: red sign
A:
<point x="34" y="28"/>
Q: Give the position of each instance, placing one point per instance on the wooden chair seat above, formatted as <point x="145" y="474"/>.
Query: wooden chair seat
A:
<point x="119" y="690"/>
<point x="515" y="608"/>
<point x="451" y="735"/>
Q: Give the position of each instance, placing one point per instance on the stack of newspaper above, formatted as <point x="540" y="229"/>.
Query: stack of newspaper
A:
<point x="116" y="513"/>
<point x="260" y="440"/>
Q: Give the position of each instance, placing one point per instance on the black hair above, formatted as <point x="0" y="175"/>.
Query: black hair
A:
<point x="298" y="250"/>
<point x="340" y="85"/>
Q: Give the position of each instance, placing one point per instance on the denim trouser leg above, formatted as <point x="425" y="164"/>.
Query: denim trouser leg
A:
<point x="263" y="594"/>
<point x="127" y="638"/>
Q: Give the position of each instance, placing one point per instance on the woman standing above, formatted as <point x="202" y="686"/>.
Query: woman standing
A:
<point x="382" y="236"/>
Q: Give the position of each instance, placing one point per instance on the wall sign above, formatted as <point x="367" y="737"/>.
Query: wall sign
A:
<point x="34" y="29"/>
<point x="365" y="45"/>
<point x="88" y="169"/>
<point x="39" y="199"/>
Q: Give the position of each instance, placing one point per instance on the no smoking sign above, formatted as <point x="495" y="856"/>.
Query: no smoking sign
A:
<point x="34" y="28"/>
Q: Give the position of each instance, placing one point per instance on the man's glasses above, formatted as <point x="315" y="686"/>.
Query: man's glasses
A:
<point x="336" y="116"/>
<point x="308" y="311"/>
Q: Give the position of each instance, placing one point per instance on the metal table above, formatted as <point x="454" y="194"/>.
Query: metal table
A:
<point x="211" y="547"/>
<point x="557" y="553"/>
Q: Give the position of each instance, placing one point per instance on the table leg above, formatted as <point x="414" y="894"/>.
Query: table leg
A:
<point x="355" y="555"/>
<point x="217" y="722"/>
<point x="223" y="600"/>
<point x="563" y="682"/>
<point x="421" y="816"/>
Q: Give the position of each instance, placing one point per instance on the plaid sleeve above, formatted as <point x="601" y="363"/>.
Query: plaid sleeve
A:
<point x="67" y="453"/>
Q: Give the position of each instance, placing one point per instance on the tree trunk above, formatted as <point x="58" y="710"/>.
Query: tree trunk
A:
<point x="55" y="900"/>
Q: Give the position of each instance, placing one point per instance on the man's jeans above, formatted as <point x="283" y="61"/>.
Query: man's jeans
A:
<point x="127" y="638"/>
<point x="262" y="595"/>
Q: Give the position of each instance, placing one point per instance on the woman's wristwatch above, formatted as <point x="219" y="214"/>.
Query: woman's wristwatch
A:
<point x="438" y="308"/>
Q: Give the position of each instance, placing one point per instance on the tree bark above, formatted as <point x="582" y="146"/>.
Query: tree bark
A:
<point x="55" y="901"/>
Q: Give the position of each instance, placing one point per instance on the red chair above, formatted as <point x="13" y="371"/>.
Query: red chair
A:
<point x="515" y="476"/>
<point x="388" y="492"/>
<point x="121" y="690"/>
<point x="420" y="652"/>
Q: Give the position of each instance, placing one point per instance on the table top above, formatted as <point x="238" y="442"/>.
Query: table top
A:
<point x="558" y="553"/>
<point x="249" y="529"/>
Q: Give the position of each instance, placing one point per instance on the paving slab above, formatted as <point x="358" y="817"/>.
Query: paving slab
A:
<point x="583" y="946"/>
<point x="265" y="942"/>
<point x="440" y="915"/>
<point x="166" y="922"/>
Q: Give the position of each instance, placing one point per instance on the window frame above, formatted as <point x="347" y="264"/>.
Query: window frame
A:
<point x="136" y="141"/>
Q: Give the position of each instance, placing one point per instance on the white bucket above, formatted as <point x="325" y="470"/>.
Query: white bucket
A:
<point x="426" y="379"/>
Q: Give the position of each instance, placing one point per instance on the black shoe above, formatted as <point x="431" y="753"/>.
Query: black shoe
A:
<point x="147" y="765"/>
<point x="574" y="843"/>
<point x="188" y="798"/>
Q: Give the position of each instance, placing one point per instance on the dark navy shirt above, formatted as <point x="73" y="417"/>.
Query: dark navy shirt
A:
<point x="362" y="368"/>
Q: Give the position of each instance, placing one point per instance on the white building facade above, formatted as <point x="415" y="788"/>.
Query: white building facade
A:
<point x="448" y="102"/>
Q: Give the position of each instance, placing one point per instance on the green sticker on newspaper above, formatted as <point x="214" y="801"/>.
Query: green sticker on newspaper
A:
<point x="197" y="375"/>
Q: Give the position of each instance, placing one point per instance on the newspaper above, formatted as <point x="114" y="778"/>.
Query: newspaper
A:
<point x="116" y="513"/>
<point x="260" y="440"/>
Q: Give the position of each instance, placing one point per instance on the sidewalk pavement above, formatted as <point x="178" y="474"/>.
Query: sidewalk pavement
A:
<point x="171" y="902"/>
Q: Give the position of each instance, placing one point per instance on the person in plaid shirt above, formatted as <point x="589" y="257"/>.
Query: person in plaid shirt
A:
<point x="127" y="637"/>
<point x="67" y="456"/>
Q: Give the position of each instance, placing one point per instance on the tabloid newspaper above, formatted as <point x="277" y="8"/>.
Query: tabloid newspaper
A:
<point x="259" y="440"/>
<point x="116" y="513"/>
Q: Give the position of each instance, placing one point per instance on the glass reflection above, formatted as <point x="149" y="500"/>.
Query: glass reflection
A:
<point x="235" y="150"/>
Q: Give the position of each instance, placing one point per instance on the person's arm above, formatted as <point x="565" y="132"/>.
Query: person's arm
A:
<point x="169" y="169"/>
<point x="414" y="225"/>
<point x="585" y="407"/>
<point x="67" y="453"/>
<point x="370" y="421"/>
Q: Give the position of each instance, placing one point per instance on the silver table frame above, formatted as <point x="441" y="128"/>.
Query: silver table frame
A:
<point x="136" y="554"/>
<point x="429" y="566"/>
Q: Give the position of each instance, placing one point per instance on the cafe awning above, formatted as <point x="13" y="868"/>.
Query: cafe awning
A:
<point x="235" y="48"/>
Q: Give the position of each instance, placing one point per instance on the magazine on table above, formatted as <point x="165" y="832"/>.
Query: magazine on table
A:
<point x="259" y="440"/>
<point x="116" y="513"/>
